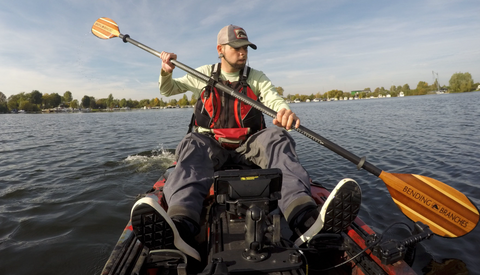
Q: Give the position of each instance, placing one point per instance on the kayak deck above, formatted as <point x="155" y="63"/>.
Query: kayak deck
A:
<point x="222" y="239"/>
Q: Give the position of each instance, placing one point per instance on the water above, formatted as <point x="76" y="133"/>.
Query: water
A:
<point x="68" y="181"/>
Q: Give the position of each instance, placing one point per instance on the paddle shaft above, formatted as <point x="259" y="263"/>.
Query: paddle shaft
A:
<point x="448" y="212"/>
<point x="360" y="162"/>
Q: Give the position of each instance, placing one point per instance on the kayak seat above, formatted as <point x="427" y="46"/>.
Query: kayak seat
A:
<point x="239" y="189"/>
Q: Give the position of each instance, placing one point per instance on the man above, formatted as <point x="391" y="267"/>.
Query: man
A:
<point x="222" y="135"/>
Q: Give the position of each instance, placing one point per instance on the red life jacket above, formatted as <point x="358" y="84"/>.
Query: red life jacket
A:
<point x="230" y="120"/>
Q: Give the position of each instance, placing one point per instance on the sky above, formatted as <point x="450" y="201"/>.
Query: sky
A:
<point x="304" y="47"/>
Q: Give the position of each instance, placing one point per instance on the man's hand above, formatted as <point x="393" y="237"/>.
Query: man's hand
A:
<point x="167" y="66"/>
<point x="285" y="119"/>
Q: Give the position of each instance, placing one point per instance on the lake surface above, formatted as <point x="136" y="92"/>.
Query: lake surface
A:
<point x="68" y="181"/>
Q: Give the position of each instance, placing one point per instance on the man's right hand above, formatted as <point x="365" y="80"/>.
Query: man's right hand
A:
<point x="167" y="66"/>
<point x="285" y="119"/>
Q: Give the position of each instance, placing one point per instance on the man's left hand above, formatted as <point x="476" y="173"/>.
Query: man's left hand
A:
<point x="285" y="119"/>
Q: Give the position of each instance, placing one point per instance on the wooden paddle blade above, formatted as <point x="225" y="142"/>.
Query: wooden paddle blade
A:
<point x="105" y="28"/>
<point x="445" y="210"/>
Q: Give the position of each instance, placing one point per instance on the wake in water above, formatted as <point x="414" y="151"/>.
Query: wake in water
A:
<point x="147" y="161"/>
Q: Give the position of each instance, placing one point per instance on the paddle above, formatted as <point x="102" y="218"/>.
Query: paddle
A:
<point x="447" y="212"/>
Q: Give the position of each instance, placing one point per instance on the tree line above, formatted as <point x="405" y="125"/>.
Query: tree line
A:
<point x="111" y="102"/>
<point x="458" y="83"/>
<point x="35" y="101"/>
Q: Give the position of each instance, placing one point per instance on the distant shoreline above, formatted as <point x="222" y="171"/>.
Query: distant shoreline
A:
<point x="127" y="109"/>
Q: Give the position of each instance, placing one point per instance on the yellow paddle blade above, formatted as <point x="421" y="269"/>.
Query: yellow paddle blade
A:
<point x="445" y="210"/>
<point x="105" y="28"/>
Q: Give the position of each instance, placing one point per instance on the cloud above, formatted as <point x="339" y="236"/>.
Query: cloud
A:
<point x="305" y="47"/>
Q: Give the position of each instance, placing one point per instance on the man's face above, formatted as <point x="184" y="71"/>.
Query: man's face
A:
<point x="236" y="57"/>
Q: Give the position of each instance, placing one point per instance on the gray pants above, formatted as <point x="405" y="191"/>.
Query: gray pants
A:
<point x="199" y="155"/>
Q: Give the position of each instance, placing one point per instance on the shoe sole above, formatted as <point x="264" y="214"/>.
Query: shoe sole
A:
<point x="338" y="212"/>
<point x="156" y="230"/>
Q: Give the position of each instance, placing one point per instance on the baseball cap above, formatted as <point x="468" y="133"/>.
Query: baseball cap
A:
<point x="234" y="36"/>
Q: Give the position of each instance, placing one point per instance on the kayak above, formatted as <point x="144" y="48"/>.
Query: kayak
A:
<point x="233" y="240"/>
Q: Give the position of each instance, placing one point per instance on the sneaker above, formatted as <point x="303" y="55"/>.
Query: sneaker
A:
<point x="338" y="211"/>
<point x="156" y="230"/>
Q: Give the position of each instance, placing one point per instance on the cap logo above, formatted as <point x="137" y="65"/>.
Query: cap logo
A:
<point x="240" y="34"/>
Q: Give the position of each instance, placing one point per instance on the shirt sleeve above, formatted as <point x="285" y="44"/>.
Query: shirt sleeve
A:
<point x="263" y="87"/>
<point x="169" y="86"/>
